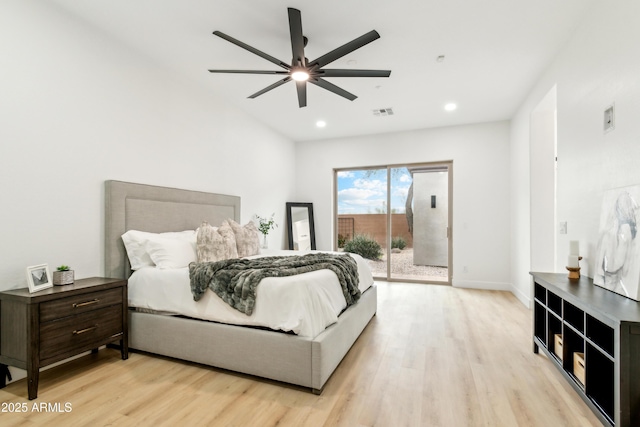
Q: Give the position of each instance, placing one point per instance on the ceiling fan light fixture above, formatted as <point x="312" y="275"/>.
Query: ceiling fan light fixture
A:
<point x="300" y="75"/>
<point x="301" y="69"/>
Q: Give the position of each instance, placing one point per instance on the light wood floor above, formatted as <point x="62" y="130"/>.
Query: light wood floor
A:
<point x="432" y="356"/>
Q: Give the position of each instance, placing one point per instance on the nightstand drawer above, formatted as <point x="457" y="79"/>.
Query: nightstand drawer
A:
<point x="82" y="332"/>
<point x="73" y="305"/>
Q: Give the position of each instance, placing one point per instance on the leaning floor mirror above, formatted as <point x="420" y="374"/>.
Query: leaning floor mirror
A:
<point x="302" y="235"/>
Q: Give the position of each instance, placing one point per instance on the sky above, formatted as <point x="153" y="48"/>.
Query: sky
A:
<point x="365" y="191"/>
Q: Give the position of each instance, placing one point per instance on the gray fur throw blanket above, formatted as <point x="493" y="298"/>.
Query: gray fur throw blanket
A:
<point x="235" y="280"/>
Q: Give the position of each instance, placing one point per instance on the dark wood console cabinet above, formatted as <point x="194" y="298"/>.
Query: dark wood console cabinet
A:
<point x="54" y="324"/>
<point x="598" y="343"/>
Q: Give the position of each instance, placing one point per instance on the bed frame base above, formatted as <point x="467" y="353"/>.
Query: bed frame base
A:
<point x="283" y="357"/>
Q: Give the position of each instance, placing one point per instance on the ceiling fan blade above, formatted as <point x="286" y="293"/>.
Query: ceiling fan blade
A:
<point x="332" y="88"/>
<point x="346" y="49"/>
<point x="248" y="72"/>
<point x="297" y="39"/>
<point x="301" y="87"/>
<point x="268" y="88"/>
<point x="252" y="50"/>
<point x="353" y="73"/>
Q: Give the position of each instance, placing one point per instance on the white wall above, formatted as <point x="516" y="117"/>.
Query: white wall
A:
<point x="77" y="108"/>
<point x="542" y="137"/>
<point x="599" y="66"/>
<point x="480" y="155"/>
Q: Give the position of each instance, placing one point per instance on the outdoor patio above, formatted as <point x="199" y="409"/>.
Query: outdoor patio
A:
<point x="402" y="268"/>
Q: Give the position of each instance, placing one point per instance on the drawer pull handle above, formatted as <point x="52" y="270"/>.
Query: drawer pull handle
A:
<point x="82" y="304"/>
<point x="82" y="331"/>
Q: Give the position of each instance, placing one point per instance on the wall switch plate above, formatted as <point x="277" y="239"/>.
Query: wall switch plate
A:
<point x="563" y="227"/>
<point x="609" y="118"/>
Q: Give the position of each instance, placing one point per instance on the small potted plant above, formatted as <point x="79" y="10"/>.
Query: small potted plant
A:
<point x="63" y="275"/>
<point x="265" y="225"/>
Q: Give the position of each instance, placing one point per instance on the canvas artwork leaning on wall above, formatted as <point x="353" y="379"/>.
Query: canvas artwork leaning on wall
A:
<point x="617" y="254"/>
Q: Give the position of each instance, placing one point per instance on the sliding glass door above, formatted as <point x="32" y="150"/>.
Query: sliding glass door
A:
<point x="425" y="256"/>
<point x="361" y="196"/>
<point x="398" y="218"/>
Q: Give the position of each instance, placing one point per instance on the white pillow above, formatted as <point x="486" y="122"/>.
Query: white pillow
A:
<point x="170" y="253"/>
<point x="134" y="241"/>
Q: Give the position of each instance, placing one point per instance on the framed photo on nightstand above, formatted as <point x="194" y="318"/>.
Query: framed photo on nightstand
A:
<point x="38" y="278"/>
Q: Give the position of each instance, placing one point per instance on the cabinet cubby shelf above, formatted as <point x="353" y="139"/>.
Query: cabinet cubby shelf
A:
<point x="604" y="353"/>
<point x="605" y="328"/>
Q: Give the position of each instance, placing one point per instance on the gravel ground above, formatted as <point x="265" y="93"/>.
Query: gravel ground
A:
<point x="402" y="267"/>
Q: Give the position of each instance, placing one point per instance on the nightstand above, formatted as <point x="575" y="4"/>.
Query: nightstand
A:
<point x="54" y="324"/>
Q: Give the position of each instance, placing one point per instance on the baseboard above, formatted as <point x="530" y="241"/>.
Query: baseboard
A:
<point x="474" y="284"/>
<point x="494" y="286"/>
<point x="524" y="299"/>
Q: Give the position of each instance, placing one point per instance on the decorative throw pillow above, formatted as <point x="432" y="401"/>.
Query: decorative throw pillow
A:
<point x="215" y="243"/>
<point x="247" y="238"/>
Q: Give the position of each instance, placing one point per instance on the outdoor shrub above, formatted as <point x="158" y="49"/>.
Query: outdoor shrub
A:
<point x="398" y="242"/>
<point x="341" y="240"/>
<point x="364" y="246"/>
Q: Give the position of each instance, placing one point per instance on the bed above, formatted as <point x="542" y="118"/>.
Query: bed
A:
<point x="304" y="361"/>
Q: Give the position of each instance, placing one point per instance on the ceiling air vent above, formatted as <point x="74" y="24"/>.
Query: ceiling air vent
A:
<point x="383" y="112"/>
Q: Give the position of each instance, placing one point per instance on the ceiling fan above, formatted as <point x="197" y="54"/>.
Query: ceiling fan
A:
<point x="301" y="70"/>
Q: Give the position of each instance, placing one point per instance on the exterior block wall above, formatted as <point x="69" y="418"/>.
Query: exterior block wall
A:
<point x="375" y="225"/>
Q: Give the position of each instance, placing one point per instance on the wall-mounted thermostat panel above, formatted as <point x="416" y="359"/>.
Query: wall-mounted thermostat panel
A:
<point x="609" y="118"/>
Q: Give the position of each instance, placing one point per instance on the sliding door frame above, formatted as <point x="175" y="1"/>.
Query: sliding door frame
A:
<point x="426" y="165"/>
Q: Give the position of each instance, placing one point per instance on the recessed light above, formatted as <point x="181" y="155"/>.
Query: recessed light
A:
<point x="321" y="123"/>
<point x="440" y="58"/>
<point x="450" y="106"/>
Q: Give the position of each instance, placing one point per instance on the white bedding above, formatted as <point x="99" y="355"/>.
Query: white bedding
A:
<point x="304" y="304"/>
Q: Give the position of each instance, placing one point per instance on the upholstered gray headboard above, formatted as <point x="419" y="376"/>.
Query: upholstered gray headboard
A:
<point x="154" y="209"/>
